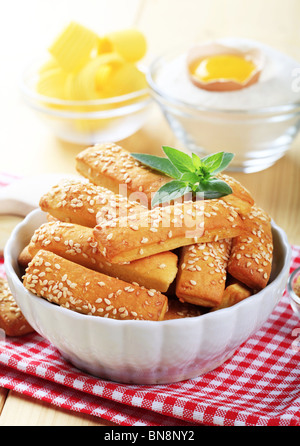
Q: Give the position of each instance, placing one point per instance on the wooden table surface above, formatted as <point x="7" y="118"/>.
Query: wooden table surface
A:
<point x="27" y="147"/>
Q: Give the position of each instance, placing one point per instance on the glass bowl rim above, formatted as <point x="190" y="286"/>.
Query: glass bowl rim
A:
<point x="290" y="288"/>
<point x="277" y="109"/>
<point x="33" y="95"/>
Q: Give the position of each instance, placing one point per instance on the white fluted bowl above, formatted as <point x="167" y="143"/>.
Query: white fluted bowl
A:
<point x="143" y="352"/>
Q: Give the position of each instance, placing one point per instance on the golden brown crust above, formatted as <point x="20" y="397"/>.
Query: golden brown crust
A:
<point x="167" y="228"/>
<point x="240" y="199"/>
<point x="76" y="243"/>
<point x="179" y="310"/>
<point x="233" y="293"/>
<point x="12" y="320"/>
<point x="110" y="165"/>
<point x="202" y="272"/>
<point x="83" y="203"/>
<point x="80" y="289"/>
<point x="251" y="255"/>
<point x="24" y="257"/>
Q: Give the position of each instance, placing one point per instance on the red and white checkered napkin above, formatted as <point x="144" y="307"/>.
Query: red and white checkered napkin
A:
<point x="258" y="386"/>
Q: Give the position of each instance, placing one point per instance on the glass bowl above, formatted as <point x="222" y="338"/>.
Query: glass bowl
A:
<point x="294" y="298"/>
<point x="258" y="137"/>
<point x="86" y="122"/>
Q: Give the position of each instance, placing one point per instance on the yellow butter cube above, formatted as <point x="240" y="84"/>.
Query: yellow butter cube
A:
<point x="74" y="46"/>
<point x="130" y="44"/>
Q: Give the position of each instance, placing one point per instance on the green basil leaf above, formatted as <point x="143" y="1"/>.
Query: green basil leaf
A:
<point x="227" y="158"/>
<point x="158" y="163"/>
<point x="182" y="161"/>
<point x="189" y="177"/>
<point x="169" y="192"/>
<point x="213" y="162"/>
<point x="196" y="161"/>
<point x="218" y="161"/>
<point x="214" y="188"/>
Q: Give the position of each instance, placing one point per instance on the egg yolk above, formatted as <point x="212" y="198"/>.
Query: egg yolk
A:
<point x="223" y="66"/>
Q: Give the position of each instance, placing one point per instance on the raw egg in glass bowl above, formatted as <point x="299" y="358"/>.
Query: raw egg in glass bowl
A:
<point x="217" y="67"/>
<point x="234" y="95"/>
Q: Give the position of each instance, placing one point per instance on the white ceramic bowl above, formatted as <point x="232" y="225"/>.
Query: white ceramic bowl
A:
<point x="143" y="352"/>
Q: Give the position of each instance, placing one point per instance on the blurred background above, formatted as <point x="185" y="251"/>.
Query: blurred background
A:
<point x="28" y="27"/>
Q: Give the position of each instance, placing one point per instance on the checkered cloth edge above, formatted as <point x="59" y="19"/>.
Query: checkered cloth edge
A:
<point x="257" y="386"/>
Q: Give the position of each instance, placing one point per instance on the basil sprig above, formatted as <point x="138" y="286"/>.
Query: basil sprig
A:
<point x="190" y="174"/>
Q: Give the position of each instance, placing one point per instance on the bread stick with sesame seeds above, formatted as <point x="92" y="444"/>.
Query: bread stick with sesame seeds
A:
<point x="240" y="199"/>
<point x="80" y="289"/>
<point x="24" y="257"/>
<point x="179" y="310"/>
<point x="12" y="320"/>
<point x="83" y="203"/>
<point x="164" y="229"/>
<point x="235" y="292"/>
<point x="110" y="165"/>
<point x="202" y="273"/>
<point x="76" y="243"/>
<point x="251" y="256"/>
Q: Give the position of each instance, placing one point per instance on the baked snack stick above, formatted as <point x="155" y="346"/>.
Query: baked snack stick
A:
<point x="76" y="243"/>
<point x="167" y="228"/>
<point x="80" y="289"/>
<point x="12" y="320"/>
<point x="180" y="310"/>
<point x="251" y="255"/>
<point x="240" y="199"/>
<point x="202" y="273"/>
<point x="235" y="292"/>
<point x="111" y="166"/>
<point x="83" y="203"/>
<point x="24" y="257"/>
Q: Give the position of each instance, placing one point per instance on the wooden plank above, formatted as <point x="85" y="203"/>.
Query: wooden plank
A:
<point x="20" y="410"/>
<point x="3" y="396"/>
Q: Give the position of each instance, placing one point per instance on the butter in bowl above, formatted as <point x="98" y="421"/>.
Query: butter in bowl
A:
<point x="89" y="88"/>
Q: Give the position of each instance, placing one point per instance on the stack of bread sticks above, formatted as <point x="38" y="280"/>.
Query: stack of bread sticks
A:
<point x="103" y="250"/>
